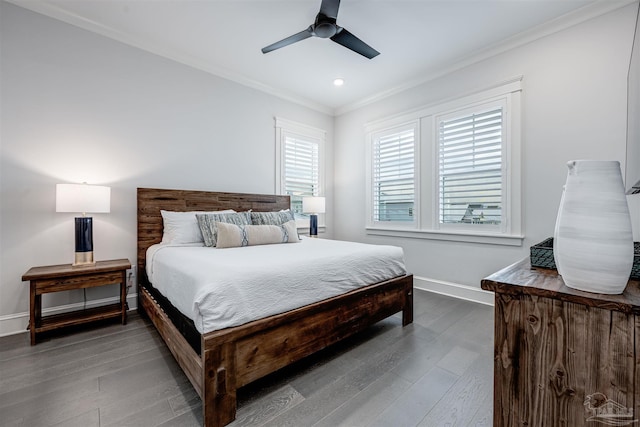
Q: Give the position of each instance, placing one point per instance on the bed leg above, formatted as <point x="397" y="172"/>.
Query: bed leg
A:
<point x="219" y="386"/>
<point x="407" y="311"/>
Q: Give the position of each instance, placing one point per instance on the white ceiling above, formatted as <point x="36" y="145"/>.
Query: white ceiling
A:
<point x="418" y="39"/>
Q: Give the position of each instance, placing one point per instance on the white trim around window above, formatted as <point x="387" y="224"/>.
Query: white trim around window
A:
<point x="495" y="220"/>
<point x="393" y="176"/>
<point x="302" y="148"/>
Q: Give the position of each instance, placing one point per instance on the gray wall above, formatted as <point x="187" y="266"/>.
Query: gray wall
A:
<point x="573" y="107"/>
<point x="78" y="107"/>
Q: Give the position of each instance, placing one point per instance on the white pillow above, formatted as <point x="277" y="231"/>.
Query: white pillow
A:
<point x="182" y="227"/>
<point x="233" y="236"/>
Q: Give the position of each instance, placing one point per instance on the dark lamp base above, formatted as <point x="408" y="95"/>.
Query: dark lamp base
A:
<point x="84" y="242"/>
<point x="313" y="225"/>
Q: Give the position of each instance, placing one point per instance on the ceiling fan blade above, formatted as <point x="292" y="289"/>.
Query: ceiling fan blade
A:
<point x="348" y="40"/>
<point x="305" y="34"/>
<point x="330" y="8"/>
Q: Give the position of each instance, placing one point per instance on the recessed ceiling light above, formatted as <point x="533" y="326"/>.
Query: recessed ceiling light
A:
<point x="338" y="82"/>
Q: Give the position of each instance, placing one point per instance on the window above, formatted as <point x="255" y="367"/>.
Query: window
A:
<point x="449" y="171"/>
<point x="299" y="162"/>
<point x="470" y="177"/>
<point x="393" y="169"/>
<point x="301" y="174"/>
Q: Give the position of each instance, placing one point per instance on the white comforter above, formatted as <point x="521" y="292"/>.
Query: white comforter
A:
<point x="219" y="288"/>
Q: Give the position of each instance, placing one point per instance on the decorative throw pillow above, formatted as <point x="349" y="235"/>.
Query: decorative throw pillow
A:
<point x="209" y="228"/>
<point x="182" y="227"/>
<point x="271" y="218"/>
<point x="233" y="236"/>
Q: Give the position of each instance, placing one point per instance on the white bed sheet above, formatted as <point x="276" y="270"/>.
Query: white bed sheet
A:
<point x="220" y="288"/>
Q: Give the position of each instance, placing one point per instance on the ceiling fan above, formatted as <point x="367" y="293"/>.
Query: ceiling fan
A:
<point x="325" y="27"/>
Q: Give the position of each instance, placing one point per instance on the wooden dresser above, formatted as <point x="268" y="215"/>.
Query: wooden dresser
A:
<point x="563" y="357"/>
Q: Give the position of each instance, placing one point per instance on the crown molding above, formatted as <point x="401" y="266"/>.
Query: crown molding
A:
<point x="593" y="10"/>
<point x="571" y="19"/>
<point x="53" y="11"/>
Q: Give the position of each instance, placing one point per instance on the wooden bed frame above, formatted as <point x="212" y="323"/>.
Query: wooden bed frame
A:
<point x="233" y="357"/>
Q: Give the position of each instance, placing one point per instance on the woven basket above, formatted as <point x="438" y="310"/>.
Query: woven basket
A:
<point x="542" y="254"/>
<point x="635" y="270"/>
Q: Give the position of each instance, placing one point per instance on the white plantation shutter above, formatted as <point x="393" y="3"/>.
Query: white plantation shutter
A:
<point x="301" y="169"/>
<point x="471" y="167"/>
<point x="449" y="171"/>
<point x="393" y="172"/>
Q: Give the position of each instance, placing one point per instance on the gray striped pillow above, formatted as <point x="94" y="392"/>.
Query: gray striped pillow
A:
<point x="271" y="218"/>
<point x="209" y="229"/>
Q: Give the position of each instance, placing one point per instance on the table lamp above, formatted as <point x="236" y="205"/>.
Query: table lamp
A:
<point x="314" y="206"/>
<point x="83" y="198"/>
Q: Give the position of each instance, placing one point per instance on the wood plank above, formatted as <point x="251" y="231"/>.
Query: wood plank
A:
<point x="560" y="384"/>
<point x="270" y="406"/>
<point x="88" y="419"/>
<point x="464" y="399"/>
<point x="506" y="354"/>
<point x="55" y="321"/>
<point x="363" y="409"/>
<point x="522" y="279"/>
<point x="64" y="283"/>
<point x="67" y="270"/>
<point x="322" y="371"/>
<point x="484" y="416"/>
<point x="416" y="402"/>
<point x="219" y="378"/>
<point x="143" y="389"/>
<point x="152" y="415"/>
<point x="458" y="360"/>
<point x="181" y="350"/>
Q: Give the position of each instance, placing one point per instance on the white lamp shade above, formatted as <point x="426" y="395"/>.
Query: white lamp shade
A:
<point x="83" y="198"/>
<point x="313" y="205"/>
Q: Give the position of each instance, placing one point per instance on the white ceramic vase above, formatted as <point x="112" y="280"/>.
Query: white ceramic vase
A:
<point x="593" y="241"/>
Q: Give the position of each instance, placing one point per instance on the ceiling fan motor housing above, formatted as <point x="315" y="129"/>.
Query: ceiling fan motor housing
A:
<point x="324" y="27"/>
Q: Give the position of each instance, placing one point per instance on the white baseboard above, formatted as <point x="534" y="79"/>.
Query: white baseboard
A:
<point x="17" y="323"/>
<point x="455" y="290"/>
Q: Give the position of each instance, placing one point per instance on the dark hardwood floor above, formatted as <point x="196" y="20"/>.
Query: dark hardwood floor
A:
<point x="436" y="372"/>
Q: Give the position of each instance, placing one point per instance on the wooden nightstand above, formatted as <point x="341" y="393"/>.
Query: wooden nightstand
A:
<point x="55" y="278"/>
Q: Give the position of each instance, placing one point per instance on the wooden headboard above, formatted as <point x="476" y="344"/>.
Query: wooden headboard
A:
<point x="152" y="200"/>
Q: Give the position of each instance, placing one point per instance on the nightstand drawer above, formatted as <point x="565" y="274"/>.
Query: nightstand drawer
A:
<point x="77" y="282"/>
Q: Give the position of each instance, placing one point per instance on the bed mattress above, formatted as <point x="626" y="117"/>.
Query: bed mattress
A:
<point x="221" y="288"/>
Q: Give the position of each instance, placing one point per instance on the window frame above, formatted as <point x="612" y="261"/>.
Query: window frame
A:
<point x="286" y="128"/>
<point x="427" y="226"/>
<point x="503" y="103"/>
<point x="374" y="136"/>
